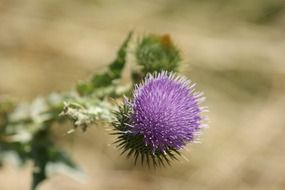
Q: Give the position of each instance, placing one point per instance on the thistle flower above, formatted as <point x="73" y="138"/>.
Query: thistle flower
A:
<point x="163" y="116"/>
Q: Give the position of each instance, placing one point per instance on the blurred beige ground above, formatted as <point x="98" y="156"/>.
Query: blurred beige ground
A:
<point x="233" y="49"/>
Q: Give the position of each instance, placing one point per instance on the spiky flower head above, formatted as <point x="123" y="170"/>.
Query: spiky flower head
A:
<point x="163" y="116"/>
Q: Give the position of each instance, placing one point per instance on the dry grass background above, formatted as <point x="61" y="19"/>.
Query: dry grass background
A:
<point x="233" y="49"/>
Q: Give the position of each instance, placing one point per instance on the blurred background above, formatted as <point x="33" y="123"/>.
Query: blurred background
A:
<point x="233" y="49"/>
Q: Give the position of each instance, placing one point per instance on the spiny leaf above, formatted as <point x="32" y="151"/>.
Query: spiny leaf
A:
<point x="106" y="79"/>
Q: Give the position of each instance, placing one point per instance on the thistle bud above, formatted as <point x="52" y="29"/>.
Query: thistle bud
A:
<point x="155" y="53"/>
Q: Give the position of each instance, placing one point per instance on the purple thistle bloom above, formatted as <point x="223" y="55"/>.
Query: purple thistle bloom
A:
<point x="166" y="112"/>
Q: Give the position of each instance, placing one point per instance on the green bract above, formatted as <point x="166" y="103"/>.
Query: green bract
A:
<point x="134" y="145"/>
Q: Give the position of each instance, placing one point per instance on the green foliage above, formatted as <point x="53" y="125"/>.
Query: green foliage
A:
<point x="25" y="134"/>
<point x="25" y="128"/>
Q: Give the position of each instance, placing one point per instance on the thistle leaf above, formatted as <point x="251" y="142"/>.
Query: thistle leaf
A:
<point x="107" y="78"/>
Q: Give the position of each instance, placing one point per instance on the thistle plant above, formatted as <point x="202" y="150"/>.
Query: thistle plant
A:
<point x="163" y="115"/>
<point x="155" y="122"/>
